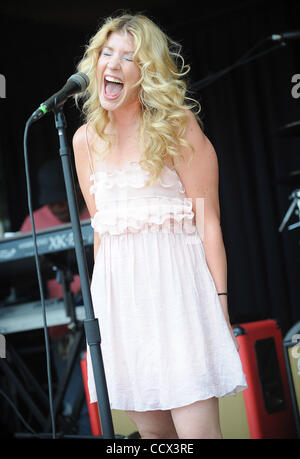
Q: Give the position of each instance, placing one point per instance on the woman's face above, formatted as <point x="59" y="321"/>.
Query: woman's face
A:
<point x="117" y="73"/>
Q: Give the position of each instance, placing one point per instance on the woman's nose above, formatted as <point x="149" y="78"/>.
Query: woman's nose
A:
<point x="114" y="62"/>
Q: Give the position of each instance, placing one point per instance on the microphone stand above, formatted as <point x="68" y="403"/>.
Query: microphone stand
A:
<point x="91" y="324"/>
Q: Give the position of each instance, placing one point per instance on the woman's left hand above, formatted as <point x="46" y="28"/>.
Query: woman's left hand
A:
<point x="234" y="337"/>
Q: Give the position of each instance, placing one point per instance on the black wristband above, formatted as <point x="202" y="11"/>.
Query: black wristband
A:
<point x="223" y="293"/>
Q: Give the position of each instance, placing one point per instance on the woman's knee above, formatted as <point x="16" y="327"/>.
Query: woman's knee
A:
<point x="153" y="434"/>
<point x="198" y="420"/>
<point x="154" y="424"/>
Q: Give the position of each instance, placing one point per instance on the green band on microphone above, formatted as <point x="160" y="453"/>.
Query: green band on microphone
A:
<point x="43" y="108"/>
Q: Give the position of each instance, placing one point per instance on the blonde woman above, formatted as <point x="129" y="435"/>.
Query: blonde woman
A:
<point x="145" y="167"/>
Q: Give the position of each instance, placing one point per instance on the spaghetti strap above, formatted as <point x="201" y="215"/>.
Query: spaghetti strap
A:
<point x="89" y="151"/>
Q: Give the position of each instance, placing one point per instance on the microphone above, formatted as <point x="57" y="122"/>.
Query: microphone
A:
<point x="294" y="35"/>
<point x="75" y="84"/>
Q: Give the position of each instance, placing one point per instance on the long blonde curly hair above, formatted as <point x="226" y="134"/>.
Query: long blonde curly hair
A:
<point x="162" y="90"/>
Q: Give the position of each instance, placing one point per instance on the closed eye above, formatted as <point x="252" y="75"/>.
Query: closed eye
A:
<point x="128" y="57"/>
<point x="109" y="52"/>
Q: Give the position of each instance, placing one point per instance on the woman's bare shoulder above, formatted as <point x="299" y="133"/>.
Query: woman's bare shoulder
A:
<point x="81" y="153"/>
<point x="79" y="140"/>
<point x="87" y="141"/>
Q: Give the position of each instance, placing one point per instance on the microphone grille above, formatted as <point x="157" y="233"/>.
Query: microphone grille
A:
<point x="81" y="79"/>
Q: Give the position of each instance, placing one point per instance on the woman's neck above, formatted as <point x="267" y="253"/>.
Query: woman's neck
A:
<point x="125" y="119"/>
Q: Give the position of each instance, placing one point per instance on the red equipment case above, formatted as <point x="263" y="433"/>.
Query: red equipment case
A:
<point x="267" y="398"/>
<point x="92" y="407"/>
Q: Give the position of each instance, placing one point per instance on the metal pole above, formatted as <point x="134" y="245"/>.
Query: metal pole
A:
<point x="91" y="324"/>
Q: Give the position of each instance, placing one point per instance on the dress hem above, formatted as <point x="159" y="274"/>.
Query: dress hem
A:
<point x="227" y="393"/>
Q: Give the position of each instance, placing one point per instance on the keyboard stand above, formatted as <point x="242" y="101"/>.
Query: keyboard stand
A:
<point x="15" y="369"/>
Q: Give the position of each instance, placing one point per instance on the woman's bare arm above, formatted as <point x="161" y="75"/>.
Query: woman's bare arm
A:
<point x="201" y="181"/>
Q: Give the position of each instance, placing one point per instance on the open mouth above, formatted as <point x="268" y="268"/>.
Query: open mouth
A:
<point x="112" y="87"/>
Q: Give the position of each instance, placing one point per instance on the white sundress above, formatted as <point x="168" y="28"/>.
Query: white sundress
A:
<point x="164" y="339"/>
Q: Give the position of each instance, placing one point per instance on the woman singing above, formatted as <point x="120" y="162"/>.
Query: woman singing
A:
<point x="149" y="176"/>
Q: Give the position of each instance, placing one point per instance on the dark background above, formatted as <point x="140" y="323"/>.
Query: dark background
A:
<point x="41" y="43"/>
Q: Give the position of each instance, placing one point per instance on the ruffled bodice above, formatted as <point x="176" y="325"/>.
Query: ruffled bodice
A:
<point x="125" y="204"/>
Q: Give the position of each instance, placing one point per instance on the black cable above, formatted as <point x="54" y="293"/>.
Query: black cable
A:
<point x="42" y="295"/>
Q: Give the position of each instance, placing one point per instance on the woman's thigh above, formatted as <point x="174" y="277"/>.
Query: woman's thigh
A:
<point x="198" y="420"/>
<point x="154" y="424"/>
